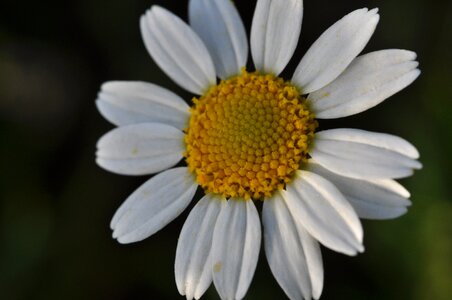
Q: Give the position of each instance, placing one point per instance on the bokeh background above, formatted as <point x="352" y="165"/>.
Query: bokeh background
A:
<point x="56" y="204"/>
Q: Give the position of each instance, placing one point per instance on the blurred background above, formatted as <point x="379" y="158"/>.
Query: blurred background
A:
<point x="56" y="204"/>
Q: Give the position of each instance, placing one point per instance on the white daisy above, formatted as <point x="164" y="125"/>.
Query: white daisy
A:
<point x="252" y="136"/>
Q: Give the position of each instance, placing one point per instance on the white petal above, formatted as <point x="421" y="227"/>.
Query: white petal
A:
<point x="335" y="49"/>
<point x="293" y="255"/>
<point x="274" y="33"/>
<point x="177" y="50"/>
<point x="368" y="81"/>
<point x="364" y="155"/>
<point x="236" y="245"/>
<point x="131" y="102"/>
<point x="153" y="205"/>
<point x="140" y="149"/>
<point x="324" y="212"/>
<point x="371" y="199"/>
<point x="219" y="25"/>
<point x="193" y="266"/>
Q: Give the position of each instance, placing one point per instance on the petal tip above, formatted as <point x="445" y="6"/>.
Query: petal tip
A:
<point x="126" y="239"/>
<point x="417" y="73"/>
<point x="361" y="248"/>
<point x="418" y="165"/>
<point x="157" y="8"/>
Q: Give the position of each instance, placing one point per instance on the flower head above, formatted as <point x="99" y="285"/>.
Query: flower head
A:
<point x="252" y="136"/>
<point x="248" y="135"/>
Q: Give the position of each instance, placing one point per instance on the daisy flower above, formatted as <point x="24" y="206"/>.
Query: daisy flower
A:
<point x="251" y="137"/>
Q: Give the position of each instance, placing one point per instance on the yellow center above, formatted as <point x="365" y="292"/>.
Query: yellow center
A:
<point x="247" y="136"/>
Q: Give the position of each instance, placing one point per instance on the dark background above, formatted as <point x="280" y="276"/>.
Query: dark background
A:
<point x="56" y="204"/>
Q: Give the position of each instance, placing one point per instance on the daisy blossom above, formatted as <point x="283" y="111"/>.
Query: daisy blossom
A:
<point x="252" y="136"/>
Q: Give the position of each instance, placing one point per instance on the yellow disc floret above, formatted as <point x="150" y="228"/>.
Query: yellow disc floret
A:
<point x="247" y="136"/>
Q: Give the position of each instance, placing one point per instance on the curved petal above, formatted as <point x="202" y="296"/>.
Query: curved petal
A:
<point x="370" y="79"/>
<point x="193" y="266"/>
<point x="363" y="154"/>
<point x="335" y="49"/>
<point x="236" y="245"/>
<point x="153" y="205"/>
<point x="131" y="102"/>
<point x="177" y="50"/>
<point x="324" y="212"/>
<point x="140" y="149"/>
<point x="219" y="25"/>
<point x="274" y="33"/>
<point x="372" y="199"/>
<point x="293" y="254"/>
